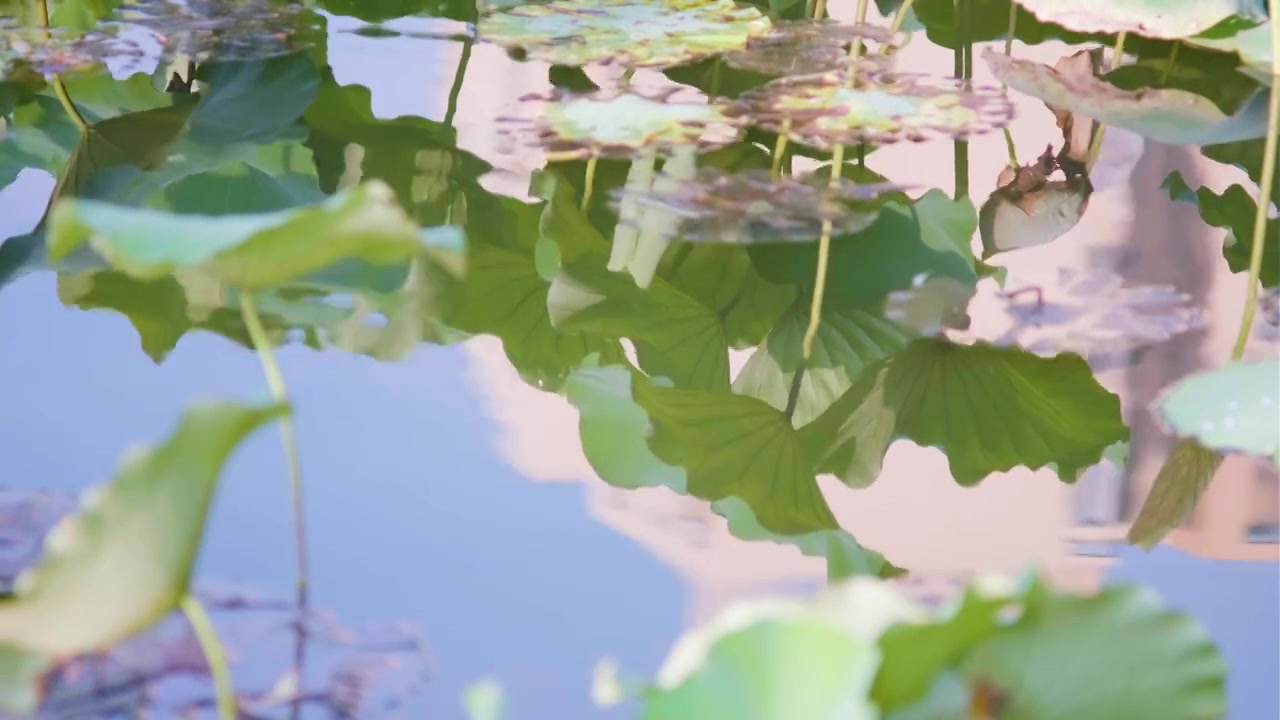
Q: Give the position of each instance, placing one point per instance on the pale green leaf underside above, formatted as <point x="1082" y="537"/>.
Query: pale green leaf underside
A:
<point x="1235" y="408"/>
<point x="1167" y="19"/>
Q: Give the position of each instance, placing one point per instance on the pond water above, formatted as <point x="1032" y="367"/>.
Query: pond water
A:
<point x="458" y="525"/>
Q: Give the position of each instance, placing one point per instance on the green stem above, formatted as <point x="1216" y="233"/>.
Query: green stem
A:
<point x="1095" y="148"/>
<point x="780" y="148"/>
<point x="1013" y="151"/>
<point x="1013" y="28"/>
<point x="458" y="75"/>
<point x="900" y="16"/>
<point x="1169" y="65"/>
<point x="1265" y="184"/>
<point x="820" y="10"/>
<point x="809" y="8"/>
<point x="59" y="88"/>
<point x="214" y="656"/>
<point x="819" y="290"/>
<point x="589" y="182"/>
<point x="715" y="77"/>
<point x="793" y="395"/>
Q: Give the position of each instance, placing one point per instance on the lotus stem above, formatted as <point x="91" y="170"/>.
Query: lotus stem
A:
<point x="275" y="383"/>
<point x="855" y="45"/>
<point x="780" y="148"/>
<point x="625" y="233"/>
<point x="820" y="10"/>
<point x="793" y="395"/>
<point x="1013" y="28"/>
<point x="808" y="8"/>
<point x="837" y="165"/>
<point x="214" y="656"/>
<point x="659" y="225"/>
<point x="458" y="76"/>
<point x="1013" y="151"/>
<point x="589" y="182"/>
<point x="819" y="290"/>
<point x="1095" y="148"/>
<point x="1265" y="184"/>
<point x="900" y="16"/>
<point x="59" y="88"/>
<point x="1171" y="63"/>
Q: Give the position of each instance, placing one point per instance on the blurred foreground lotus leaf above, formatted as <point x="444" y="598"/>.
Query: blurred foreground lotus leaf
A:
<point x="1235" y="408"/>
<point x="820" y="110"/>
<point x="806" y="47"/>
<point x="1166" y="115"/>
<point x="750" y="207"/>
<point x="626" y="123"/>
<point x="1167" y="19"/>
<point x="636" y="33"/>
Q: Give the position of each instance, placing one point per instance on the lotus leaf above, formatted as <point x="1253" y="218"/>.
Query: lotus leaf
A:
<point x="1252" y="45"/>
<point x="625" y="123"/>
<point x="1182" y="479"/>
<point x="819" y="110"/>
<point x="810" y="47"/>
<point x="1232" y="409"/>
<point x="636" y="33"/>
<point x="750" y="207"/>
<point x="1234" y="210"/>
<point x="1167" y="19"/>
<point x="1171" y="116"/>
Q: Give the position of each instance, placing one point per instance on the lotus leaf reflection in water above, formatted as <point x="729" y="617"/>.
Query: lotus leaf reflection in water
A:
<point x="627" y="124"/>
<point x="749" y="207"/>
<point x="636" y="33"/>
<point x="822" y="111"/>
<point x="811" y="47"/>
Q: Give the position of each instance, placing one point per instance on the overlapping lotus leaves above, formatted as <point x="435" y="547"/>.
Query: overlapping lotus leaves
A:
<point x="819" y="110"/>
<point x="1166" y="115"/>
<point x="627" y="123"/>
<point x="636" y="33"/>
<point x="807" y="47"/>
<point x="1252" y="45"/>
<point x="750" y="207"/>
<point x="1166" y="19"/>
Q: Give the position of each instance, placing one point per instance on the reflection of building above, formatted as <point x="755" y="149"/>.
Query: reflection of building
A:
<point x="915" y="514"/>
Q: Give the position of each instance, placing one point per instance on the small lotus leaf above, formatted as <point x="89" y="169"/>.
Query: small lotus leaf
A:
<point x="636" y="33"/>
<point x="625" y="123"/>
<point x="1182" y="479"/>
<point x="807" y="47"/>
<point x="1166" y="115"/>
<point x="820" y="110"/>
<point x="750" y="207"/>
<point x="1233" y="409"/>
<point x="1165" y="19"/>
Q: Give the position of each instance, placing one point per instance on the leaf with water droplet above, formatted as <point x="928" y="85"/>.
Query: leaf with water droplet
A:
<point x="1235" y="408"/>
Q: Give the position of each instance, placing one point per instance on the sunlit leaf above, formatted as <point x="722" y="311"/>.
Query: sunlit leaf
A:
<point x="614" y="428"/>
<point x="1235" y="408"/>
<point x="930" y="236"/>
<point x="848" y="341"/>
<point x="249" y="250"/>
<point x="675" y="335"/>
<point x="637" y="33"/>
<point x="1182" y="479"/>
<point x="989" y="408"/>
<point x="723" y="278"/>
<point x="1234" y="210"/>
<point x="253" y="100"/>
<point x="1165" y="115"/>
<point x="1170" y="19"/>
<point x="1074" y="657"/>
<point x="124" y="560"/>
<point x="820" y="110"/>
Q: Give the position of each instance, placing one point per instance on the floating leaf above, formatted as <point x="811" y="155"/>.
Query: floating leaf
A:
<point x="990" y="409"/>
<point x="125" y="559"/>
<point x="252" y="250"/>
<point x="1235" y="408"/>
<point x="1252" y="45"/>
<point x="1234" y="210"/>
<point x="808" y="47"/>
<point x="1169" y="19"/>
<point x="1182" y="479"/>
<point x="624" y="123"/>
<point x="614" y="428"/>
<point x="848" y="341"/>
<point x="1167" y="115"/>
<point x="253" y="100"/>
<point x="141" y="139"/>
<point x="635" y="33"/>
<point x="1074" y="657"/>
<point x="819" y="110"/>
<point x="751" y="207"/>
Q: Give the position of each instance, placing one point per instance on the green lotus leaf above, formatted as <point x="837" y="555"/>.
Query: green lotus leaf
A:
<point x="1234" y="210"/>
<point x="1252" y="45"/>
<point x="821" y="111"/>
<point x="1072" y="656"/>
<point x="636" y="33"/>
<point x="626" y="123"/>
<point x="988" y="408"/>
<point x="723" y="278"/>
<point x="1168" y="19"/>
<point x="614" y="428"/>
<point x="848" y="342"/>
<point x="252" y="250"/>
<point x="1235" y="408"/>
<point x="1181" y="481"/>
<point x="1166" y="115"/>
<point x="20" y="673"/>
<point x="124" y="560"/>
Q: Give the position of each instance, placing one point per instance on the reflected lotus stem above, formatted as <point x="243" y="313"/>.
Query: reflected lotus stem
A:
<point x="589" y="182"/>
<point x="214" y="656"/>
<point x="780" y="147"/>
<point x="1008" y="52"/>
<point x="1095" y="148"/>
<point x="819" y="290"/>
<point x="820" y="10"/>
<point x="1265" y="184"/>
<point x="1173" y="60"/>
<point x="639" y="180"/>
<point x="658" y="225"/>
<point x="899" y="17"/>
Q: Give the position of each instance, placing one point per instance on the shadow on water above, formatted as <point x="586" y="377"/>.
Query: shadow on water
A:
<point x="551" y="355"/>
